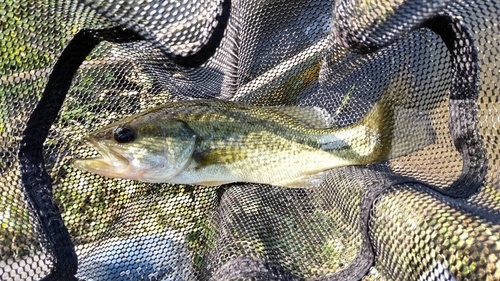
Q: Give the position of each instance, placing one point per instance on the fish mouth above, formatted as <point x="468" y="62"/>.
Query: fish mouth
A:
<point x="110" y="163"/>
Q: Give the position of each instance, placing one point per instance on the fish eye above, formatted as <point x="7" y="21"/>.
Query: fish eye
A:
<point x="124" y="134"/>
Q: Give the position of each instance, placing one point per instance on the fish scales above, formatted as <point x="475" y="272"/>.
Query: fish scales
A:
<point x="250" y="143"/>
<point x="215" y="142"/>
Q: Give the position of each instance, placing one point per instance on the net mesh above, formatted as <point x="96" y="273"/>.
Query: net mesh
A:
<point x="68" y="68"/>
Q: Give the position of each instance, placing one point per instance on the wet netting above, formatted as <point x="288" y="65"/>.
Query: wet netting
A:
<point x="260" y="96"/>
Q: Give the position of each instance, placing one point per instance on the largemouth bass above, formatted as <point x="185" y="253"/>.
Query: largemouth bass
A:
<point x="210" y="142"/>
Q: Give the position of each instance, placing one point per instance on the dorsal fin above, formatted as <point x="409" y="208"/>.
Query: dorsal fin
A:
<point x="310" y="117"/>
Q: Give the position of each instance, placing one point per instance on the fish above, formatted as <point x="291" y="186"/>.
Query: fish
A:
<point x="215" y="142"/>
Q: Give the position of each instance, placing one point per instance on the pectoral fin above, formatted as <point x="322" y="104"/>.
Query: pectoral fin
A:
<point x="179" y="148"/>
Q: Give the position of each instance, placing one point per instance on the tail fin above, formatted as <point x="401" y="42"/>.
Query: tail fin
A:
<point x="399" y="131"/>
<point x="413" y="130"/>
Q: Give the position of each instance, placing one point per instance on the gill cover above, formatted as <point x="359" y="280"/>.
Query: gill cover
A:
<point x="179" y="146"/>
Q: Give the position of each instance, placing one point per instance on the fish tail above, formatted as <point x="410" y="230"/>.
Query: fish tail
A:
<point x="385" y="132"/>
<point x="388" y="131"/>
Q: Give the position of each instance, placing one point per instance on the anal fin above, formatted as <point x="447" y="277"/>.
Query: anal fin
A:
<point x="306" y="181"/>
<point x="212" y="183"/>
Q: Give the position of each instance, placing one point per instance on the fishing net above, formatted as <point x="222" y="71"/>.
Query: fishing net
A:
<point x="68" y="68"/>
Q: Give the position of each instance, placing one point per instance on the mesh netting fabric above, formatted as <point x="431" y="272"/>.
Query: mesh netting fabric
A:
<point x="69" y="68"/>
